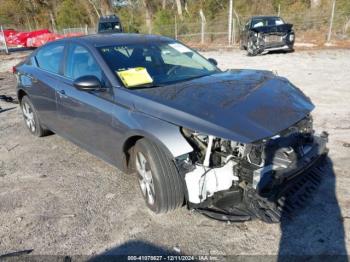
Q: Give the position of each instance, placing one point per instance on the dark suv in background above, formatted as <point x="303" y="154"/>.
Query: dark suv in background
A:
<point x="109" y="24"/>
<point x="266" y="33"/>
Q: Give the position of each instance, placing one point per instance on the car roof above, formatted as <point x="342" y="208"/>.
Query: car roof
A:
<point x="100" y="40"/>
<point x="109" y="18"/>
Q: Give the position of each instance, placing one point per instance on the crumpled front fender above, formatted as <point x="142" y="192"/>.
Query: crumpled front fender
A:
<point x="166" y="134"/>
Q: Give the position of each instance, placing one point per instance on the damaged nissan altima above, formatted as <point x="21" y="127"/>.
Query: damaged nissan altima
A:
<point x="234" y="145"/>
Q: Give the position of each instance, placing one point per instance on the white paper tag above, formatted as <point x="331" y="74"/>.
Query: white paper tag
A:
<point x="179" y="47"/>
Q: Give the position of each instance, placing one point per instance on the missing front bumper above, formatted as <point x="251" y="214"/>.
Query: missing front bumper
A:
<point x="290" y="192"/>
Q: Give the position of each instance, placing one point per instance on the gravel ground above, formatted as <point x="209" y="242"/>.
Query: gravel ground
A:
<point x="58" y="199"/>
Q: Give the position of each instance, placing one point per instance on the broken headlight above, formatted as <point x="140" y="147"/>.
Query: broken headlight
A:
<point x="291" y="37"/>
<point x="212" y="167"/>
<point x="217" y="164"/>
<point x="212" y="151"/>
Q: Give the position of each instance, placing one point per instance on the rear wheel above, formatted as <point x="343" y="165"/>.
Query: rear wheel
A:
<point x="31" y="118"/>
<point x="159" y="181"/>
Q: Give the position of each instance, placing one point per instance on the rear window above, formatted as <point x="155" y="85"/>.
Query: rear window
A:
<point x="109" y="27"/>
<point x="49" y="57"/>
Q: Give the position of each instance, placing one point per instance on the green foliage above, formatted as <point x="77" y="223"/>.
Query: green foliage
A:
<point x="343" y="6"/>
<point x="70" y="14"/>
<point x="163" y="22"/>
<point x="131" y="21"/>
<point x="214" y="9"/>
<point x="11" y="13"/>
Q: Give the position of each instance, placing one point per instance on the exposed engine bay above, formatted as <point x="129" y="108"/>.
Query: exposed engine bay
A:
<point x="229" y="180"/>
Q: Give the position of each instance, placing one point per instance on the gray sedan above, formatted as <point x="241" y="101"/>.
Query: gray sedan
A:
<point x="233" y="145"/>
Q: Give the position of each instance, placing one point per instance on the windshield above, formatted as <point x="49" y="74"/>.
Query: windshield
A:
<point x="266" y="21"/>
<point x="155" y="64"/>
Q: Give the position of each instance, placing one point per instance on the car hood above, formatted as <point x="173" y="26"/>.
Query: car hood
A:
<point x="240" y="105"/>
<point x="285" y="28"/>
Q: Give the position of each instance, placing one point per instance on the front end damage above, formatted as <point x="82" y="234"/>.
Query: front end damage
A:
<point x="266" y="179"/>
<point x="271" y="38"/>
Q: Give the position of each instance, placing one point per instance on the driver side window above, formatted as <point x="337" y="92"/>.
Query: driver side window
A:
<point x="80" y="62"/>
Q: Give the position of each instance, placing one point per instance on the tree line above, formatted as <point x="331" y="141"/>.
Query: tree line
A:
<point x="146" y="15"/>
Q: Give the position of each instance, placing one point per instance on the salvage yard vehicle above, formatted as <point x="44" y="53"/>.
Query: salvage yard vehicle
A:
<point x="109" y="24"/>
<point x="233" y="145"/>
<point x="266" y="33"/>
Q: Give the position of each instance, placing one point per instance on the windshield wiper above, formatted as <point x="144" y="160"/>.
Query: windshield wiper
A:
<point x="145" y="86"/>
<point x="150" y="85"/>
<point x="196" y="77"/>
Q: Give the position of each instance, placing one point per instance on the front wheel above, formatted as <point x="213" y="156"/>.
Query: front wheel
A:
<point x="254" y="46"/>
<point x="160" y="183"/>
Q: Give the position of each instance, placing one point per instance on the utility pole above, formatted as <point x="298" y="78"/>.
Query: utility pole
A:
<point x="179" y="9"/>
<point x="202" y="26"/>
<point x="331" y="23"/>
<point x="5" y="44"/>
<point x="233" y="31"/>
<point x="230" y="22"/>
<point x="175" y="28"/>
<point x="53" y="22"/>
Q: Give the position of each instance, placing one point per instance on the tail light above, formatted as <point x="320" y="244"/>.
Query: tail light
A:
<point x="14" y="70"/>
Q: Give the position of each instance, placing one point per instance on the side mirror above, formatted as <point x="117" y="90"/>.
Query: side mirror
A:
<point x="213" y="61"/>
<point x="87" y="83"/>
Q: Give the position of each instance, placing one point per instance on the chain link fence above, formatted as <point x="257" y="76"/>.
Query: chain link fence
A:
<point x="311" y="30"/>
<point x="78" y="30"/>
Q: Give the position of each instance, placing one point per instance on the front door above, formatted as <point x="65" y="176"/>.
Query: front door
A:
<point x="86" y="117"/>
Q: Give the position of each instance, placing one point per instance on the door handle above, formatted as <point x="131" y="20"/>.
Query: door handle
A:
<point x="62" y="93"/>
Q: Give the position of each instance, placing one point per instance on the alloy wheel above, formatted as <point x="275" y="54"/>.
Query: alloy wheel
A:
<point x="28" y="116"/>
<point x="145" y="178"/>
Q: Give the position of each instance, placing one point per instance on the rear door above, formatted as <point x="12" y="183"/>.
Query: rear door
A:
<point x="86" y="117"/>
<point x="42" y="77"/>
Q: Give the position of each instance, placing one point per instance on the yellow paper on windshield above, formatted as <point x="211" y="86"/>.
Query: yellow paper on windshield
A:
<point x="135" y="77"/>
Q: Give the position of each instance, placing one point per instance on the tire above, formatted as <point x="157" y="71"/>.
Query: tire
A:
<point x="158" y="177"/>
<point x="253" y="47"/>
<point x="31" y="118"/>
<point x="291" y="49"/>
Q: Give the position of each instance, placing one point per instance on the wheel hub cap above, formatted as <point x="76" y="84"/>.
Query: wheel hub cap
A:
<point x="145" y="178"/>
<point x="28" y="116"/>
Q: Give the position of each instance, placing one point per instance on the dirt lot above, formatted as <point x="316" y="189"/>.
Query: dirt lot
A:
<point x="58" y="199"/>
